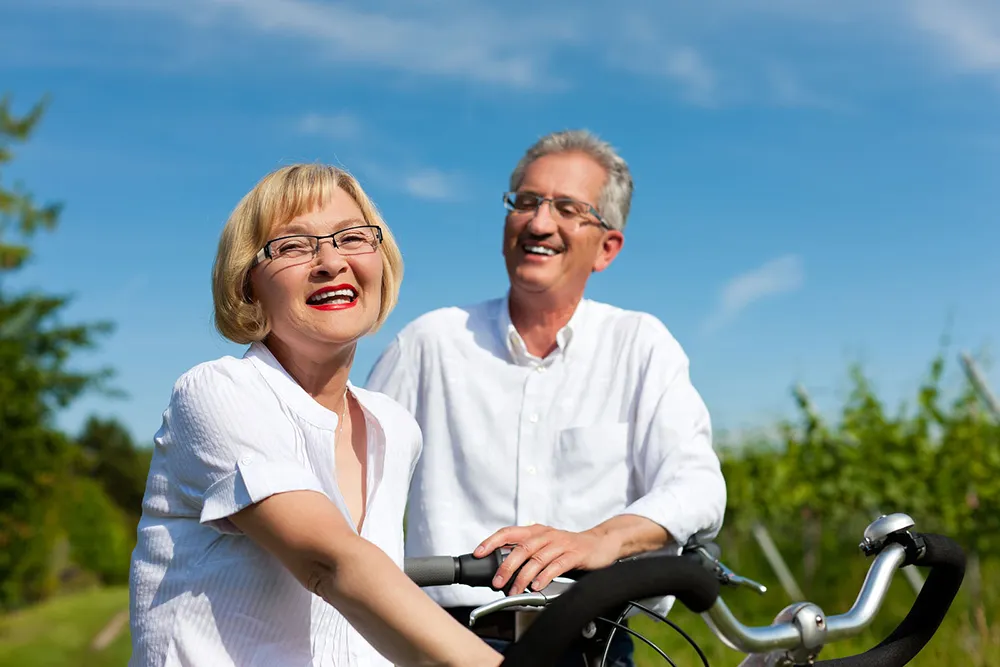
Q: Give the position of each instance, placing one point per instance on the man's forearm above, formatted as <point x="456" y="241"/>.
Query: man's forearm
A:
<point x="631" y="534"/>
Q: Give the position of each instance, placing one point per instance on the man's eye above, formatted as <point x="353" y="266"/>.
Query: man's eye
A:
<point x="525" y="201"/>
<point x="569" y="207"/>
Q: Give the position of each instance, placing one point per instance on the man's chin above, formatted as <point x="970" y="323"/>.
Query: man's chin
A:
<point x="530" y="279"/>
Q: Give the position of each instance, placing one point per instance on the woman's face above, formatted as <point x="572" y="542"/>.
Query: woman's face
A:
<point x="330" y="299"/>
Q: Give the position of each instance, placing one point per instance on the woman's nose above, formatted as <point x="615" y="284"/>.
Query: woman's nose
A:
<point x="328" y="259"/>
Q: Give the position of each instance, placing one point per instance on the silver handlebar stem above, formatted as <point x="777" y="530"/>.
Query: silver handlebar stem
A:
<point x="787" y="635"/>
<point x="871" y="597"/>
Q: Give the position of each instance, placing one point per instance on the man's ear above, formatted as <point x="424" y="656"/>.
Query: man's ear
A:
<point x="610" y="247"/>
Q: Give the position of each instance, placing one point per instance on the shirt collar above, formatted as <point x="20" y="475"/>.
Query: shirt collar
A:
<point x="288" y="390"/>
<point x="515" y="343"/>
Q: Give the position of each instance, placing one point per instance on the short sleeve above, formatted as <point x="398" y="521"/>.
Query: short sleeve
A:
<point x="228" y="444"/>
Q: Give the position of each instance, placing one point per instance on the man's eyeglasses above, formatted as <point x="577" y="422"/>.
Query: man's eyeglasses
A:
<point x="351" y="241"/>
<point x="564" y="209"/>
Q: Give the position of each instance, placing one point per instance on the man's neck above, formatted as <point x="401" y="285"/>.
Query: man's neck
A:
<point x="538" y="319"/>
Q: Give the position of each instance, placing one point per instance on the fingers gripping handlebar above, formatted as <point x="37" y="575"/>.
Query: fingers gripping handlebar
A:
<point x="695" y="578"/>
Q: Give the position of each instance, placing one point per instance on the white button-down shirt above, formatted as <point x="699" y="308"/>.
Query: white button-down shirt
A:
<point x="235" y="432"/>
<point x="608" y="424"/>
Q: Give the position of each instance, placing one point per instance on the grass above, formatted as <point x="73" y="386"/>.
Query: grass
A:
<point x="58" y="632"/>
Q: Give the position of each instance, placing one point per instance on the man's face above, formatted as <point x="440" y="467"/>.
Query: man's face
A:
<point x="549" y="252"/>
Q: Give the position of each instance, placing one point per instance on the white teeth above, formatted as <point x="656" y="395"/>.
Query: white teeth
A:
<point x="333" y="296"/>
<point x="539" y="250"/>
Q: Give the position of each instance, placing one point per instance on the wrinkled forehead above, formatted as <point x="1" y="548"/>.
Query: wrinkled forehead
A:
<point x="570" y="174"/>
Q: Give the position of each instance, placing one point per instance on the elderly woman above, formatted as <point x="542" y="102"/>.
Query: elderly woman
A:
<point x="271" y="531"/>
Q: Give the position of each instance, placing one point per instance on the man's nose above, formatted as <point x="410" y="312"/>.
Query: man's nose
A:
<point x="542" y="223"/>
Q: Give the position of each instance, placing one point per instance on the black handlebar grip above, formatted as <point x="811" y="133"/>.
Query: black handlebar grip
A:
<point x="432" y="570"/>
<point x="947" y="562"/>
<point x="604" y="591"/>
<point x="446" y="570"/>
<point x="474" y="571"/>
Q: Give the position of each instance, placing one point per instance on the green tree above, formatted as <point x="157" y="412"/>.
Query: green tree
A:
<point x="112" y="459"/>
<point x="36" y="460"/>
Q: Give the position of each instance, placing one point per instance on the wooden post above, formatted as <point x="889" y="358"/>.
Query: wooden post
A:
<point x="979" y="383"/>
<point x="777" y="562"/>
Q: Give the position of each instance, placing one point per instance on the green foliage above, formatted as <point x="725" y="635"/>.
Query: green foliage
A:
<point x="824" y="482"/>
<point x="18" y="211"/>
<point x="37" y="462"/>
<point x="941" y="464"/>
<point x="109" y="456"/>
<point x="101" y="538"/>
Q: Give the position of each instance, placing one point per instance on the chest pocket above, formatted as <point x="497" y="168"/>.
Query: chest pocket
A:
<point x="591" y="474"/>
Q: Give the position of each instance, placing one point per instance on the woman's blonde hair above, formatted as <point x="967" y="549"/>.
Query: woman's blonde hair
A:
<point x="280" y="196"/>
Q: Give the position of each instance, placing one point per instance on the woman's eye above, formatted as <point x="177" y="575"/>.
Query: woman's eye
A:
<point x="292" y="246"/>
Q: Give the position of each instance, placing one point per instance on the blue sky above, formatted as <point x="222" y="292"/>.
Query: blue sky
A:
<point x="816" y="183"/>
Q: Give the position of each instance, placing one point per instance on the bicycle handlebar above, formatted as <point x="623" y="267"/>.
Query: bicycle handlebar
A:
<point x="947" y="562"/>
<point x="446" y="570"/>
<point x="695" y="579"/>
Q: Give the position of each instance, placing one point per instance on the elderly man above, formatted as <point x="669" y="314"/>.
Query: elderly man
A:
<point x="565" y="427"/>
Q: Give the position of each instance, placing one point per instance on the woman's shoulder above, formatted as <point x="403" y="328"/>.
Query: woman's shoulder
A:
<point x="213" y="373"/>
<point x="227" y="380"/>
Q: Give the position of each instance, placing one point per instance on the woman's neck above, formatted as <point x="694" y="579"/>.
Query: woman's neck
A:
<point x="322" y="376"/>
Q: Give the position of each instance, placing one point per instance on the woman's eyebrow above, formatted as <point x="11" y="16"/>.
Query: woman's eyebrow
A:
<point x="301" y="227"/>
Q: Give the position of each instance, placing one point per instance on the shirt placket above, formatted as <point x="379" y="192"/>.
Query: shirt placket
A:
<point x="532" y="497"/>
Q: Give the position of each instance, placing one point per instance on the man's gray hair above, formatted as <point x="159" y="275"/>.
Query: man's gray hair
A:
<point x="616" y="195"/>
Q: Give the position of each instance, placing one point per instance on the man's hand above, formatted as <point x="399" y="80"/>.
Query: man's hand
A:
<point x="546" y="553"/>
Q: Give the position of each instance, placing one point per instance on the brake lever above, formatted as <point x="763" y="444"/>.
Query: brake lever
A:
<point x="725" y="575"/>
<point x="540" y="598"/>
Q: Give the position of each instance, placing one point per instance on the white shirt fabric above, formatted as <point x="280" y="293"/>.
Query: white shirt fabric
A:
<point x="608" y="424"/>
<point x="235" y="432"/>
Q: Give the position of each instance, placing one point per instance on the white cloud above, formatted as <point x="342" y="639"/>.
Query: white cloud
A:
<point x="341" y="126"/>
<point x="966" y="31"/>
<point x="638" y="45"/>
<point x="468" y="43"/>
<point x="778" y="276"/>
<point x="688" y="67"/>
<point x="787" y="90"/>
<point x="433" y="184"/>
<point x="725" y="56"/>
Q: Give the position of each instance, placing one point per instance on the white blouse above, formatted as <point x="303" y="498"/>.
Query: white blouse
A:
<point x="235" y="432"/>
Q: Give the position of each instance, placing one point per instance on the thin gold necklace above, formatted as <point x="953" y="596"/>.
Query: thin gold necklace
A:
<point x="340" y="426"/>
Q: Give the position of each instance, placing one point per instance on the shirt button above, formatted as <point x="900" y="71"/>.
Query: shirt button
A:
<point x="533" y="418"/>
<point x="540" y="369"/>
<point x="531" y="470"/>
<point x="246" y="460"/>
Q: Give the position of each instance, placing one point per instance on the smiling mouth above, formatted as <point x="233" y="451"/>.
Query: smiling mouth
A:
<point x="332" y="298"/>
<point x="543" y="251"/>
